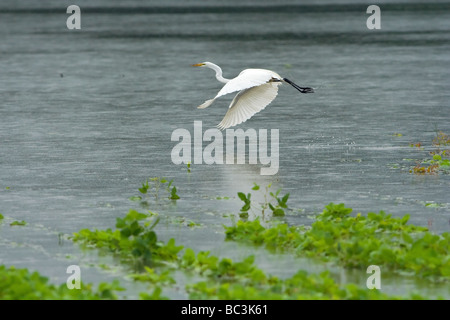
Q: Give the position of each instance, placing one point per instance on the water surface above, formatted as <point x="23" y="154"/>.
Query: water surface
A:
<point x="87" y="116"/>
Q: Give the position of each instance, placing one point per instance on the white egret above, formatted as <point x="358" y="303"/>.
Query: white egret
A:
<point x="257" y="88"/>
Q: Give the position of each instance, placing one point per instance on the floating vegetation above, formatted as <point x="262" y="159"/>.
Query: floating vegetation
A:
<point x="416" y="145"/>
<point x="336" y="236"/>
<point x="18" y="223"/>
<point x="434" y="204"/>
<point x="150" y="275"/>
<point x="21" y="284"/>
<point x="243" y="279"/>
<point x="134" y="240"/>
<point x="301" y="286"/>
<point x="357" y="242"/>
<point x="440" y="162"/>
<point x="441" y="140"/>
<point x="354" y="241"/>
<point x="185" y="222"/>
<point x="222" y="198"/>
<point x="230" y="280"/>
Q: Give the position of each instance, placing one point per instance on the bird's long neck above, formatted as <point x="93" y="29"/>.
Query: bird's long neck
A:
<point x="218" y="71"/>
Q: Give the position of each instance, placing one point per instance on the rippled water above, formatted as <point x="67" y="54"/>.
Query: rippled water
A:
<point x="87" y="115"/>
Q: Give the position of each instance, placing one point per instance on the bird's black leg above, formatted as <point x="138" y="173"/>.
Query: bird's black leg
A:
<point x="301" y="89"/>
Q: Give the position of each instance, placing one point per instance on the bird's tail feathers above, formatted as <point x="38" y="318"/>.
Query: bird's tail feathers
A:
<point x="206" y="104"/>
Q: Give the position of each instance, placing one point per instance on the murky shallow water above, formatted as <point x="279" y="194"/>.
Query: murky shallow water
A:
<point x="87" y="116"/>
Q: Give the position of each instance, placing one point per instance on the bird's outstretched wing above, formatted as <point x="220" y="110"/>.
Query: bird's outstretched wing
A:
<point x="248" y="78"/>
<point x="248" y="102"/>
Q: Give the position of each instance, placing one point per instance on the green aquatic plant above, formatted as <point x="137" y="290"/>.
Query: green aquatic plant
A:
<point x="21" y="284"/>
<point x="277" y="208"/>
<point x="184" y="222"/>
<point x="280" y="237"/>
<point x="439" y="162"/>
<point x="442" y="164"/>
<point x="223" y="278"/>
<point x="133" y="239"/>
<point x="357" y="242"/>
<point x="433" y="204"/>
<point x="156" y="295"/>
<point x="150" y="275"/>
<point x="441" y="139"/>
<point x="301" y="286"/>
<point x="188" y="166"/>
<point x="152" y="186"/>
<point x="228" y="280"/>
<point x="172" y="191"/>
<point x="18" y="223"/>
<point x="243" y="280"/>
<point x="1" y="217"/>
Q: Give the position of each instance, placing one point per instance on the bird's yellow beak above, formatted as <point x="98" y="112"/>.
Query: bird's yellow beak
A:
<point x="198" y="65"/>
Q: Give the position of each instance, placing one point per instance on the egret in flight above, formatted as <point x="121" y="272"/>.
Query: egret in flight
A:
<point x="256" y="89"/>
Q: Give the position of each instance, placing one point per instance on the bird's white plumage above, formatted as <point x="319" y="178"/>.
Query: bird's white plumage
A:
<point x="248" y="102"/>
<point x="247" y="79"/>
<point x="257" y="88"/>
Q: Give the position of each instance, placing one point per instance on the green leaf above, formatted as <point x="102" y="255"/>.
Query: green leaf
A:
<point x="120" y="223"/>
<point x="255" y="187"/>
<point x="242" y="196"/>
<point x="278" y="212"/>
<point x="125" y="232"/>
<point x="173" y="194"/>
<point x="243" y="214"/>
<point x="144" y="189"/>
<point x="281" y="203"/>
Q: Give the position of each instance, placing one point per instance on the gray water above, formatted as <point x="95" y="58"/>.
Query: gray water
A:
<point x="87" y="115"/>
